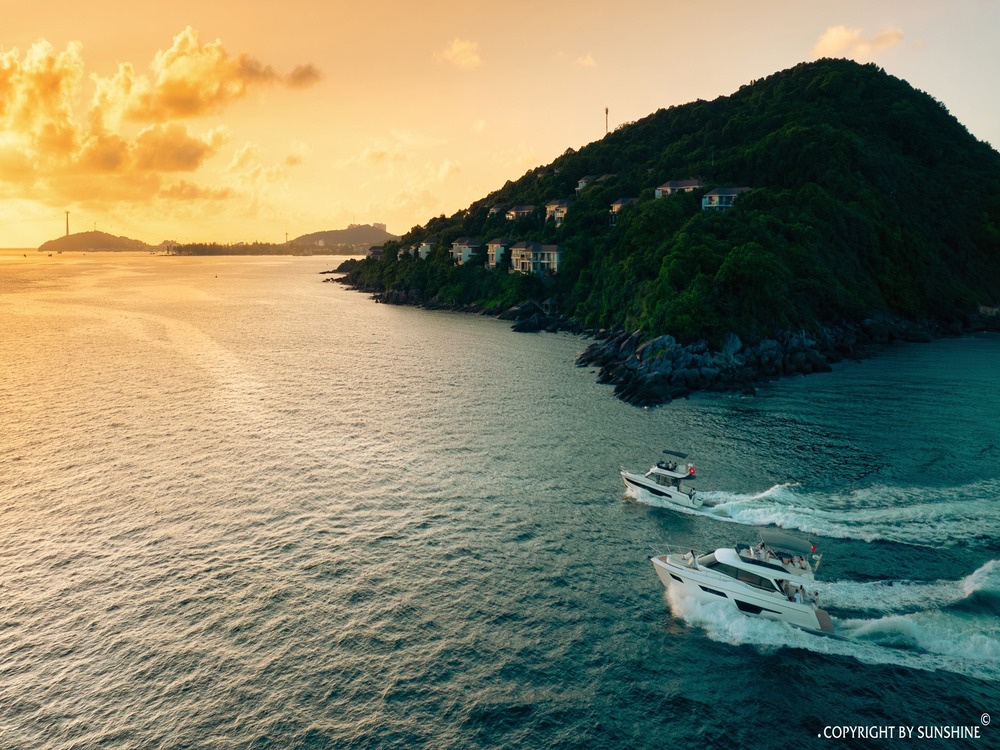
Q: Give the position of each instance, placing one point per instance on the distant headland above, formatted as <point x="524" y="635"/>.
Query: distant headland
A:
<point x="356" y="239"/>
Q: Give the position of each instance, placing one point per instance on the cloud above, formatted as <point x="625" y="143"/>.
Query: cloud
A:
<point x="251" y="170"/>
<point x="37" y="96"/>
<point x="840" y="41"/>
<point x="587" y="61"/>
<point x="171" y="148"/>
<point x="479" y="126"/>
<point x="246" y="158"/>
<point x="50" y="153"/>
<point x="447" y="168"/>
<point x="303" y="76"/>
<point x="187" y="191"/>
<point x="396" y="148"/>
<point x="82" y="189"/>
<point x="378" y="155"/>
<point x="297" y="155"/>
<point x="462" y="53"/>
<point x="104" y="152"/>
<point x="15" y="164"/>
<point x="190" y="79"/>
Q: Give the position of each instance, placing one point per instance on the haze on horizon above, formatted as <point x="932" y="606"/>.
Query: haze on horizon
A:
<point x="221" y="123"/>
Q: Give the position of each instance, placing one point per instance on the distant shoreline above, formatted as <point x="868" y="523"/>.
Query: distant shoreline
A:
<point x="35" y="252"/>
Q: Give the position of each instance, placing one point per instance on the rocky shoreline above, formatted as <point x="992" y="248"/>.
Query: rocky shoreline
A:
<point x="651" y="372"/>
<point x="657" y="371"/>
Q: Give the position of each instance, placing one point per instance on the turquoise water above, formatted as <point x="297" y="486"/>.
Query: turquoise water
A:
<point x="243" y="508"/>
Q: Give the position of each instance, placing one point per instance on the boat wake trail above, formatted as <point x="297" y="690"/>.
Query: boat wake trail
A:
<point x="978" y="592"/>
<point x="910" y="515"/>
<point x="934" y="625"/>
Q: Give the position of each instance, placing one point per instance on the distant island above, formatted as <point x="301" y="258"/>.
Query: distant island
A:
<point x="356" y="235"/>
<point x="807" y="217"/>
<point x="92" y="242"/>
<point x="356" y="239"/>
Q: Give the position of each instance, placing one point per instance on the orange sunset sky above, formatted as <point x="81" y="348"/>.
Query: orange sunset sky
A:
<point x="196" y="121"/>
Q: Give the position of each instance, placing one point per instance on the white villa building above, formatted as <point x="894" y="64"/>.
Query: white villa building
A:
<point x="536" y="258"/>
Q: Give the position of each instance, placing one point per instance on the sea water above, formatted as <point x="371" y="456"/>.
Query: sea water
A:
<point x="242" y="508"/>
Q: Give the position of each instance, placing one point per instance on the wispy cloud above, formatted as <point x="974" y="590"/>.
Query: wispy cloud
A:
<point x="461" y="53"/>
<point x="446" y="169"/>
<point x="303" y="76"/>
<point x="297" y="155"/>
<point x="188" y="191"/>
<point x="587" y="61"/>
<point x="245" y="158"/>
<point x="840" y="41"/>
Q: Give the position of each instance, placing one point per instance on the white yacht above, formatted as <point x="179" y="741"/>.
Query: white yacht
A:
<point x="769" y="580"/>
<point x="665" y="482"/>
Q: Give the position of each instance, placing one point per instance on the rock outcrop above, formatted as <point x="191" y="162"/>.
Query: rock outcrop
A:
<point x="656" y="371"/>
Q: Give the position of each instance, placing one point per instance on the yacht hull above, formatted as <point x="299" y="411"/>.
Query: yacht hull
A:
<point x="639" y="484"/>
<point x="706" y="586"/>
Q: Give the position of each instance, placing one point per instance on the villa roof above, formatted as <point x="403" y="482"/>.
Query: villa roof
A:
<point x="729" y="191"/>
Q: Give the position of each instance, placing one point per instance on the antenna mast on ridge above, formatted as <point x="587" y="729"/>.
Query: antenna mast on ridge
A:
<point x="67" y="223"/>
<point x="605" y="121"/>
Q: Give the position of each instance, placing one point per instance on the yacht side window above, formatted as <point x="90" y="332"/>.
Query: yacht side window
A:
<point x="728" y="570"/>
<point x="757" y="581"/>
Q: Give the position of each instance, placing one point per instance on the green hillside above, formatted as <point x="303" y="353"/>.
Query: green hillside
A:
<point x="867" y="196"/>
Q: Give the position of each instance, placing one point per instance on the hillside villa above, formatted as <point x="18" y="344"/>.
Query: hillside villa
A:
<point x="534" y="257"/>
<point x="677" y="186"/>
<point x="463" y="249"/>
<point x="618" y="205"/>
<point x="556" y="210"/>
<point x="721" y="198"/>
<point x="426" y="246"/>
<point x="496" y="250"/>
<point x="519" y="212"/>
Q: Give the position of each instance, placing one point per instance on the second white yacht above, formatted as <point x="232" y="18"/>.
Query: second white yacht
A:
<point x="665" y="481"/>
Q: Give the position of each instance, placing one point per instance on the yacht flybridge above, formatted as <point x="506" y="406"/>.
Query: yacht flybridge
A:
<point x="768" y="580"/>
<point x="665" y="482"/>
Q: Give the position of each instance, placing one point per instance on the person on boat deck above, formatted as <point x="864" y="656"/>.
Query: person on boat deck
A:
<point x="694" y="559"/>
<point x="800" y="595"/>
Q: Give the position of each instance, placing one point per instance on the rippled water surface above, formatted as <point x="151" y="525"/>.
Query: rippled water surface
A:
<point x="244" y="508"/>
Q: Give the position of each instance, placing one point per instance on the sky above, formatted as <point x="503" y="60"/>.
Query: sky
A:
<point x="251" y="122"/>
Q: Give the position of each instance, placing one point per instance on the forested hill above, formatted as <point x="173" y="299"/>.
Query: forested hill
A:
<point x="92" y="241"/>
<point x="867" y="196"/>
<point x="355" y="234"/>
